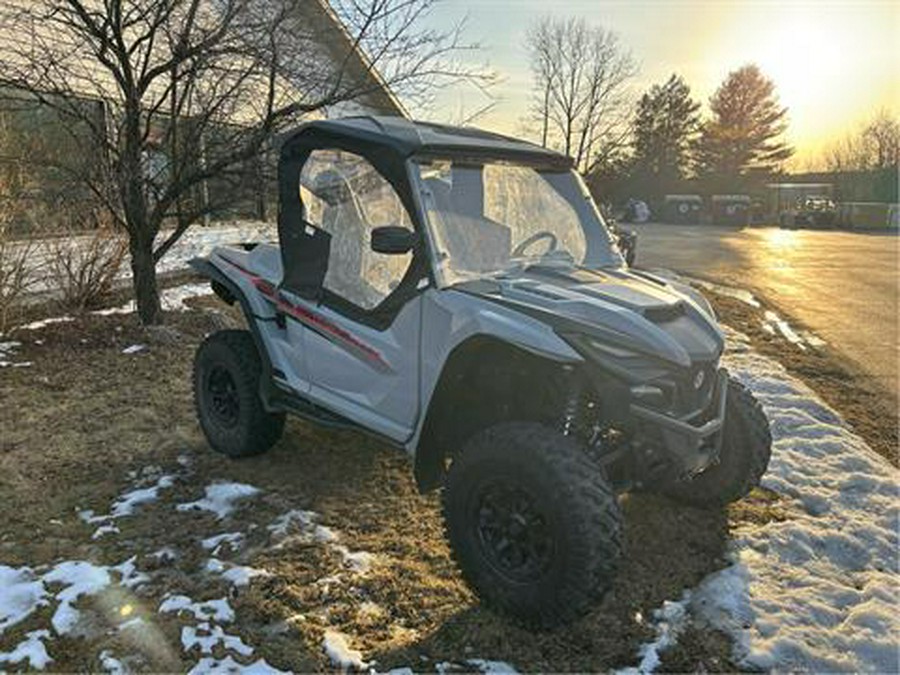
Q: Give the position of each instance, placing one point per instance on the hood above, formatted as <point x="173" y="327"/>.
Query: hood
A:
<point x="625" y="308"/>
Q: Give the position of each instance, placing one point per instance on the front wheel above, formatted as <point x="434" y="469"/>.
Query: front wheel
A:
<point x="743" y="456"/>
<point x="533" y="525"/>
<point x="227" y="371"/>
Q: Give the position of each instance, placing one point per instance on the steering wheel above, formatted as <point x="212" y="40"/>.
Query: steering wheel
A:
<point x="525" y="244"/>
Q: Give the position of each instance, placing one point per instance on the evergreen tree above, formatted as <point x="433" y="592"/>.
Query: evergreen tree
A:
<point x="665" y="127"/>
<point x="745" y="135"/>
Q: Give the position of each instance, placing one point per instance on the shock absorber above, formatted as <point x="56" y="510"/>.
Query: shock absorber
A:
<point x="574" y="388"/>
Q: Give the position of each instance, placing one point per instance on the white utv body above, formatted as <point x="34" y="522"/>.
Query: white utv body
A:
<point x="456" y="293"/>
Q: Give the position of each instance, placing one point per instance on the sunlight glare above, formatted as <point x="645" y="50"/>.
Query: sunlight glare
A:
<point x="804" y="54"/>
<point x="781" y="240"/>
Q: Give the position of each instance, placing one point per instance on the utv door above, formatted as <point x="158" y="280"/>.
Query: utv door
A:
<point x="363" y="332"/>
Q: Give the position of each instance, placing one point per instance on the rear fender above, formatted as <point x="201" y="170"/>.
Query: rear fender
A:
<point x="238" y="287"/>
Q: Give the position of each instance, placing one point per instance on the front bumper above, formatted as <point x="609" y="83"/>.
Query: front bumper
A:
<point x="692" y="447"/>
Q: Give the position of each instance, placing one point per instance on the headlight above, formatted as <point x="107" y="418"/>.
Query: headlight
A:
<point x="625" y="363"/>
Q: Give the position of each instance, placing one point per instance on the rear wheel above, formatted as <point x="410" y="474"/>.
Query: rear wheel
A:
<point x="227" y="372"/>
<point x="743" y="457"/>
<point x="533" y="524"/>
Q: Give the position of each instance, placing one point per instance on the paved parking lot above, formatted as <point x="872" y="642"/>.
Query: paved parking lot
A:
<point x="843" y="285"/>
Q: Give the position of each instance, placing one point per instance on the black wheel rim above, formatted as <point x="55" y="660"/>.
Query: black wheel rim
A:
<point x="224" y="404"/>
<point x="514" y="535"/>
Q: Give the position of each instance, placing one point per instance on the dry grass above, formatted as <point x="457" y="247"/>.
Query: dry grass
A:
<point x="84" y="415"/>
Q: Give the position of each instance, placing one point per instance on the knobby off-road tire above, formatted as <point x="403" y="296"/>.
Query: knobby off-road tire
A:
<point x="537" y="488"/>
<point x="743" y="459"/>
<point x="227" y="369"/>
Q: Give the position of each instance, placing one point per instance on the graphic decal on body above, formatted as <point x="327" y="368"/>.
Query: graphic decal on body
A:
<point x="315" y="321"/>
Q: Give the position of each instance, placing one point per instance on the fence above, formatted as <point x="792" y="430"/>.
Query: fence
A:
<point x="868" y="216"/>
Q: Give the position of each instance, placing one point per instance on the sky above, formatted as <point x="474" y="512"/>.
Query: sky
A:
<point x="834" y="64"/>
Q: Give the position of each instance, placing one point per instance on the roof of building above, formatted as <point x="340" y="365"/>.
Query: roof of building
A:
<point x="409" y="137"/>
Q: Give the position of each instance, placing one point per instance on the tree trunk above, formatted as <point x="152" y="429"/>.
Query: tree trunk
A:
<point x="143" y="275"/>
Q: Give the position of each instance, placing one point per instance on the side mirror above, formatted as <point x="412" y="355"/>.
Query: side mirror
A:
<point x="393" y="240"/>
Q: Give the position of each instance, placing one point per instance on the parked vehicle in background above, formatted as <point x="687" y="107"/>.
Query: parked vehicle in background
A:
<point x="456" y="294"/>
<point x="636" y="211"/>
<point x="783" y="198"/>
<point x="682" y="208"/>
<point x="817" y="211"/>
<point x="626" y="240"/>
<point x="730" y="210"/>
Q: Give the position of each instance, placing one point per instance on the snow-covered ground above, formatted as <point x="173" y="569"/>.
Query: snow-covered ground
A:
<point x="817" y="592"/>
<point x="197" y="241"/>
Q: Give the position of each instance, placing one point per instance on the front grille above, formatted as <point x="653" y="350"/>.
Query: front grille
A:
<point x="689" y="397"/>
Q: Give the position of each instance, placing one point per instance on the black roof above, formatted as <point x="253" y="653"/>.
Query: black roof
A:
<point x="409" y="137"/>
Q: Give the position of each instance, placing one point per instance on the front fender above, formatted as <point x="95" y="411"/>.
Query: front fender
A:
<point x="451" y="319"/>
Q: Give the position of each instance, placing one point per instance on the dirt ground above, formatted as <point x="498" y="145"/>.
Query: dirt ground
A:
<point x="87" y="422"/>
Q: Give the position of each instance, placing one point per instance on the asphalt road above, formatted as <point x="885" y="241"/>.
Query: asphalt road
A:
<point x="842" y="285"/>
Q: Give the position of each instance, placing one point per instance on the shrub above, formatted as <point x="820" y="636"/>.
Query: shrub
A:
<point x="16" y="272"/>
<point x="83" y="264"/>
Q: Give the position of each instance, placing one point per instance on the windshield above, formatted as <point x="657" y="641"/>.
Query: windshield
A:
<point x="495" y="218"/>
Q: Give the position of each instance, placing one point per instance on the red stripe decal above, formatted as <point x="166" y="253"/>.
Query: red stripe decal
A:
<point x="307" y="317"/>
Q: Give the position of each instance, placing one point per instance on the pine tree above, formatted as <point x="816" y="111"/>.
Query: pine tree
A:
<point x="745" y="135"/>
<point x="665" y="126"/>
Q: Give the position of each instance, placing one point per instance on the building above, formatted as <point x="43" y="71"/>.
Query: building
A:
<point x="35" y="141"/>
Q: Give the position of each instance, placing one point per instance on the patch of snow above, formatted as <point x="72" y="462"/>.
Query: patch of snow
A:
<point x="816" y="592"/>
<point x="80" y="578"/>
<point x="170" y="299"/>
<point x="205" y="610"/>
<point x="129" y="575"/>
<point x="305" y="523"/>
<point x="103" y="530"/>
<point x="166" y="554"/>
<point x="359" y="562"/>
<point x="214" y="566"/>
<point x="773" y="322"/>
<point x="111" y="664"/>
<point x="127" y="503"/>
<point x="43" y="323"/>
<point x="31" y="649"/>
<point x="213" y="543"/>
<point x="8" y="352"/>
<point x="221" y="498"/>
<point x="337" y="648"/>
<point x="493" y="667"/>
<point x="669" y="621"/>
<point x="134" y="349"/>
<point x="8" y="347"/>
<point x="21" y="593"/>
<point x="741" y="294"/>
<point x="239" y="575"/>
<point x="228" y="666"/>
<point x="207" y="636"/>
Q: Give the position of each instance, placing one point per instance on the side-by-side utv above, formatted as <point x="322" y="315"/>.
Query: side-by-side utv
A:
<point x="456" y="294"/>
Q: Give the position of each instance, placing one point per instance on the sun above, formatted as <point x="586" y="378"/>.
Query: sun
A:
<point x="802" y="53"/>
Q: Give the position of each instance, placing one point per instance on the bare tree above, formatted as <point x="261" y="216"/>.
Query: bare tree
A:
<point x="195" y="90"/>
<point x="876" y="145"/>
<point x="580" y="97"/>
